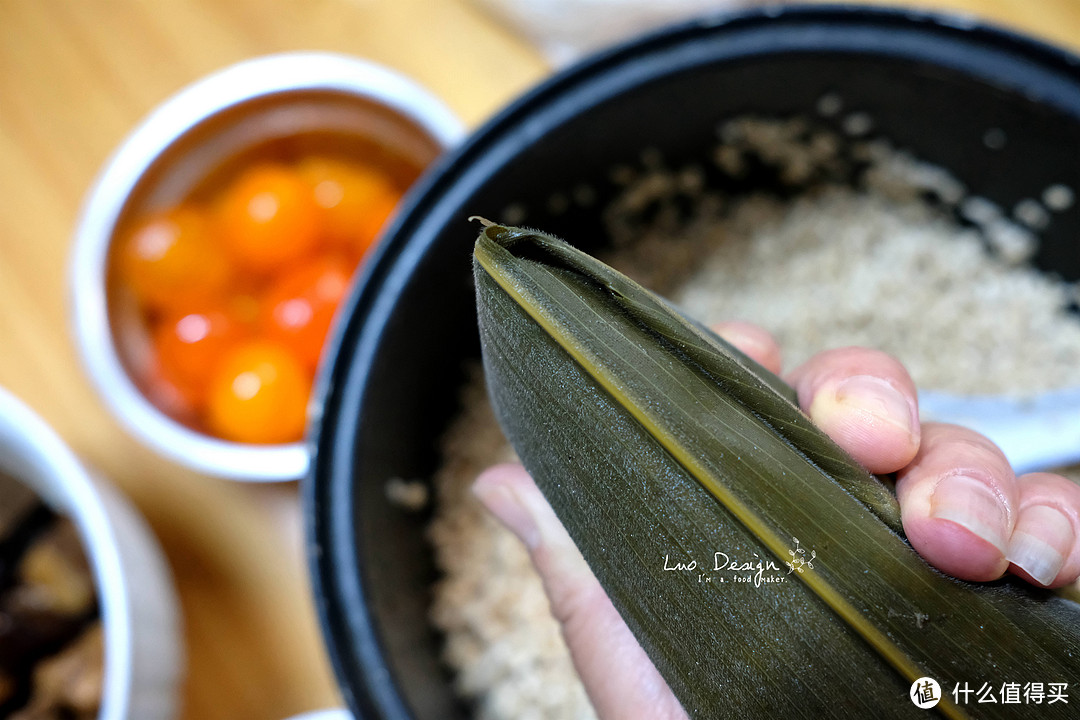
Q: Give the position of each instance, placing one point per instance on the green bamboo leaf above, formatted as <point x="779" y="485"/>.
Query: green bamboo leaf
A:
<point x="698" y="493"/>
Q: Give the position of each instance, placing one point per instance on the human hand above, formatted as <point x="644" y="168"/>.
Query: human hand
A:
<point x="963" y="510"/>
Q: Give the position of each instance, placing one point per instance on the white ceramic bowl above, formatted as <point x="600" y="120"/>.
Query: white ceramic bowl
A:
<point x="143" y="656"/>
<point x="197" y="131"/>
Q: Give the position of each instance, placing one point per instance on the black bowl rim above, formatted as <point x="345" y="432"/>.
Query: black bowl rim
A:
<point x="961" y="42"/>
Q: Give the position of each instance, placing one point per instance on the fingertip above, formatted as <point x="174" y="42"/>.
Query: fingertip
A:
<point x="500" y="475"/>
<point x="512" y="496"/>
<point x="615" y="671"/>
<point x="870" y="418"/>
<point x="1040" y="544"/>
<point x="753" y="340"/>
<point x="955" y="550"/>
<point x="957" y="502"/>
<point x="959" y="528"/>
<point x="1044" y="548"/>
<point x="499" y="490"/>
<point x="865" y="400"/>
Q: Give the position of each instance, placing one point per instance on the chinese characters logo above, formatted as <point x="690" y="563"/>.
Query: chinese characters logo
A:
<point x="925" y="693"/>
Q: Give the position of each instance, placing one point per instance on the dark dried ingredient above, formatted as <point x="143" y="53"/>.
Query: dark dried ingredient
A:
<point x="51" y="655"/>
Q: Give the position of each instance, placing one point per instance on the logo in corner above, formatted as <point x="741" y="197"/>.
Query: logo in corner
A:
<point x="799" y="560"/>
<point x="925" y="693"/>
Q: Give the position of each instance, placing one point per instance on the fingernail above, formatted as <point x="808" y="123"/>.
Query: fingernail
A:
<point x="877" y="398"/>
<point x="971" y="504"/>
<point x="1042" y="537"/>
<point x="505" y="504"/>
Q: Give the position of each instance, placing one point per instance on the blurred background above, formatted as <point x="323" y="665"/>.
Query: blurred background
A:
<point x="75" y="77"/>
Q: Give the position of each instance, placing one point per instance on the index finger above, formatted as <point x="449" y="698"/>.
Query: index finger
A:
<point x="865" y="400"/>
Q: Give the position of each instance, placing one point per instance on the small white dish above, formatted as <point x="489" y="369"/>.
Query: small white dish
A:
<point x="335" y="714"/>
<point x="136" y="599"/>
<point x="181" y="143"/>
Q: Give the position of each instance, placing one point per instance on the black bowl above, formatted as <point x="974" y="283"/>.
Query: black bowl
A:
<point x="933" y="85"/>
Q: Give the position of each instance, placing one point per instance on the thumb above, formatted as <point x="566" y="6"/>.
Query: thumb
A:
<point x="617" y="674"/>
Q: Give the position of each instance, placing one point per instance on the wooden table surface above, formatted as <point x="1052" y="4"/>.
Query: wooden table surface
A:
<point x="75" y="77"/>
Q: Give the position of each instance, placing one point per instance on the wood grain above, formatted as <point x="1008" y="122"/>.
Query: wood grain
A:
<point x="75" y="78"/>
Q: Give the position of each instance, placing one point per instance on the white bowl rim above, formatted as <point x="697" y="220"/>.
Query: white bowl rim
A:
<point x="327" y="714"/>
<point x="70" y="491"/>
<point x="240" y="83"/>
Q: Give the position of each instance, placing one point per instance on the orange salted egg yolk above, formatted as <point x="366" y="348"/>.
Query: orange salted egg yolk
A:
<point x="354" y="202"/>
<point x="268" y="218"/>
<point x="237" y="291"/>
<point x="170" y="260"/>
<point x="188" y="345"/>
<point x="300" y="305"/>
<point x="258" y="394"/>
